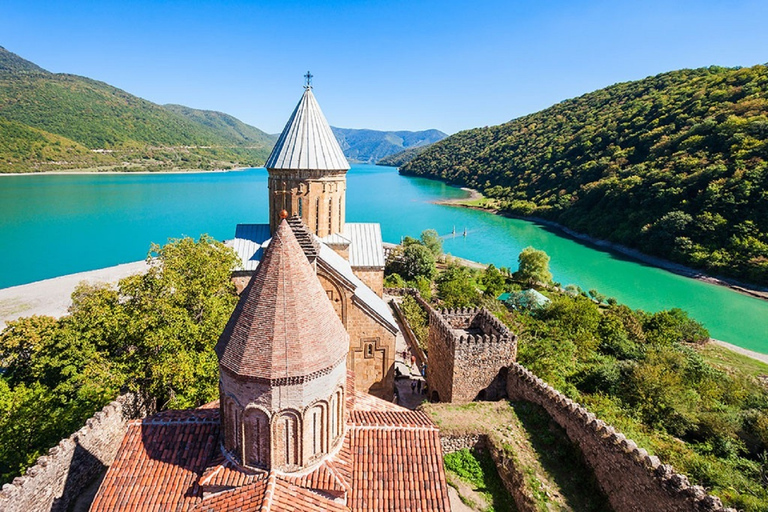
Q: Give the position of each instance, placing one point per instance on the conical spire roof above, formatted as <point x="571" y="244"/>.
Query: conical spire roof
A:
<point x="284" y="325"/>
<point x="307" y="141"/>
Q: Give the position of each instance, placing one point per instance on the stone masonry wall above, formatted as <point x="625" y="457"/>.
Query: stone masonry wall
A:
<point x="59" y="477"/>
<point x="470" y="366"/>
<point x="631" y="478"/>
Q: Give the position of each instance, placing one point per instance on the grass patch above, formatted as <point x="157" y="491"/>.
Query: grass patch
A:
<point x="728" y="360"/>
<point x="477" y="469"/>
<point x="555" y="476"/>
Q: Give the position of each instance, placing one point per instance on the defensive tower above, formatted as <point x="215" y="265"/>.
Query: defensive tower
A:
<point x="307" y="170"/>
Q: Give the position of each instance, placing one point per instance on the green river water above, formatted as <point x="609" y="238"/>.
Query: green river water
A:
<point x="52" y="225"/>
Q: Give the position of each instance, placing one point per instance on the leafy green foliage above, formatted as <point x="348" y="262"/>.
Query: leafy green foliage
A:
<point x="533" y="267"/>
<point x="456" y="287"/>
<point x="154" y="334"/>
<point x="432" y="241"/>
<point x="478" y="469"/>
<point x="493" y="281"/>
<point x="55" y="121"/>
<point x="640" y="372"/>
<point x="417" y="319"/>
<point x="675" y="165"/>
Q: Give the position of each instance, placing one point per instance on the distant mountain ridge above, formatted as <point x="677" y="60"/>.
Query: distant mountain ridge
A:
<point x="370" y="146"/>
<point x="53" y="121"/>
<point x="403" y="157"/>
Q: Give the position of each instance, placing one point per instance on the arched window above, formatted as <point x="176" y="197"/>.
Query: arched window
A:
<point x="287" y="440"/>
<point x="257" y="442"/>
<point x="317" y="215"/>
<point x="330" y="215"/>
<point x="230" y="425"/>
<point x="340" y="223"/>
<point x="316" y="424"/>
<point x="301" y="207"/>
<point x="338" y="412"/>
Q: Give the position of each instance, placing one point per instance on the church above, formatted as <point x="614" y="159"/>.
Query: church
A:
<point x="307" y="180"/>
<point x="295" y="427"/>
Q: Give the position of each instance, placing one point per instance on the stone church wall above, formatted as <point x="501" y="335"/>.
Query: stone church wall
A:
<point x="631" y="478"/>
<point x="372" y="277"/>
<point x="69" y="467"/>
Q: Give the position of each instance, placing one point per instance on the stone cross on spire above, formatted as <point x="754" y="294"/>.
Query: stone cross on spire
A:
<point x="308" y="80"/>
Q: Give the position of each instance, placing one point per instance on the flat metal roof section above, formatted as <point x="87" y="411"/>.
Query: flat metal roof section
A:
<point x="336" y="239"/>
<point x="366" y="247"/>
<point x="307" y="141"/>
<point x="249" y="243"/>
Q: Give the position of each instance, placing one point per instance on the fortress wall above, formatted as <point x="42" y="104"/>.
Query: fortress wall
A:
<point x="631" y="478"/>
<point x="61" y="476"/>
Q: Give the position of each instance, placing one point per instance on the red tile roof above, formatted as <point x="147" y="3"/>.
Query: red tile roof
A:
<point x="284" y="326"/>
<point x="390" y="459"/>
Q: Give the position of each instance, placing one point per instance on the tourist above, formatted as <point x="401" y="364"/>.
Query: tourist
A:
<point x="413" y="387"/>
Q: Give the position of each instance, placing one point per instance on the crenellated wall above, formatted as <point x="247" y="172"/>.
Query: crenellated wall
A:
<point x="631" y="478"/>
<point x="61" y="476"/>
<point x="469" y="350"/>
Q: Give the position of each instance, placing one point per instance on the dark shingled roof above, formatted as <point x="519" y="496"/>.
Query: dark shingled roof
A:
<point x="284" y="325"/>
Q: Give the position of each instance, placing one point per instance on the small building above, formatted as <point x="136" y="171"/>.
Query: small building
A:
<point x="527" y="299"/>
<point x="469" y="352"/>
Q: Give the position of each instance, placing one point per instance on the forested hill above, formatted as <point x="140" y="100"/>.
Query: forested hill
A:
<point x="51" y="121"/>
<point x="370" y="146"/>
<point x="675" y="165"/>
<point x="403" y="157"/>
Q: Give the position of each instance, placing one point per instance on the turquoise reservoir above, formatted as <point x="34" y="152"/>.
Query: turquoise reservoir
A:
<point x="52" y="225"/>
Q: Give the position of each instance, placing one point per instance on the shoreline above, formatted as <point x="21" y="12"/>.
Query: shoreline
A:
<point x="754" y="291"/>
<point x="757" y="356"/>
<point x="78" y="172"/>
<point x="53" y="297"/>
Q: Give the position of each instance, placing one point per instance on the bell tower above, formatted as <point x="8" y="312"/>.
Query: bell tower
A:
<point x="307" y="170"/>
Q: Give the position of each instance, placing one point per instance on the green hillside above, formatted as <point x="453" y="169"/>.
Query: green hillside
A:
<point x="132" y="132"/>
<point x="370" y="146"/>
<point x="228" y="126"/>
<point x="403" y="157"/>
<point x="675" y="165"/>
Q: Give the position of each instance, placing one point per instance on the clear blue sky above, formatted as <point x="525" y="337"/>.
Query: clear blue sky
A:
<point x="389" y="65"/>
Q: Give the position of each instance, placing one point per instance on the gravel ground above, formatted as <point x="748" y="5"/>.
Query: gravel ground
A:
<point x="52" y="297"/>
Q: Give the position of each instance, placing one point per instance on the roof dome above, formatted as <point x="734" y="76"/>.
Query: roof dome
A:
<point x="284" y="325"/>
<point x="307" y="141"/>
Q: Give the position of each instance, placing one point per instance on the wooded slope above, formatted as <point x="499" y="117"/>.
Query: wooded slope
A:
<point x="97" y="125"/>
<point x="675" y="165"/>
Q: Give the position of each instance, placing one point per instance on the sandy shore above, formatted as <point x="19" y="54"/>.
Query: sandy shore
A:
<point x="677" y="268"/>
<point x="473" y="194"/>
<point x="52" y="297"/>
<point x="743" y="351"/>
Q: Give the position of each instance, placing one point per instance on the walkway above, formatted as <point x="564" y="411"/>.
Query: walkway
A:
<point x="410" y="373"/>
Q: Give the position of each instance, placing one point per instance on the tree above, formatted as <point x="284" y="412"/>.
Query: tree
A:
<point x="432" y="241"/>
<point x="493" y="281"/>
<point x="416" y="260"/>
<point x="456" y="287"/>
<point x="154" y="334"/>
<point x="533" y="267"/>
